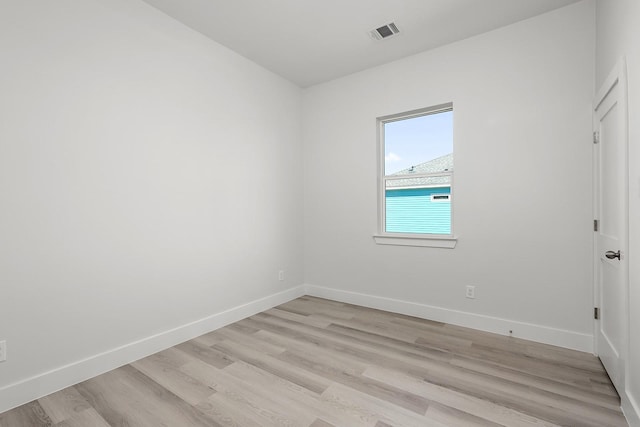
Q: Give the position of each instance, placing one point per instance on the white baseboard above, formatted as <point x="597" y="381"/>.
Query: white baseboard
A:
<point x="528" y="331"/>
<point x="40" y="385"/>
<point x="630" y="409"/>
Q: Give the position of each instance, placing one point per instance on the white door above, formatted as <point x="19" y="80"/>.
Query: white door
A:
<point x="611" y="268"/>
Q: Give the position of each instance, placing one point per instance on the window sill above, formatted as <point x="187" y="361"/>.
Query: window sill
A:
<point x="422" y="241"/>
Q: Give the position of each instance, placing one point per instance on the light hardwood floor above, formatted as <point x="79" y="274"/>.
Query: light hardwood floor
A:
<point x="320" y="363"/>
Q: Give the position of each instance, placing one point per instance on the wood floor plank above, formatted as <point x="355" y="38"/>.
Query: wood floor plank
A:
<point x="86" y="418"/>
<point x="268" y="363"/>
<point x="260" y="378"/>
<point x="508" y="358"/>
<point x="454" y="399"/>
<point x="392" y="344"/>
<point x="298" y="318"/>
<point x="28" y="415"/>
<point x="515" y="345"/>
<point x="228" y="413"/>
<point x="127" y="397"/>
<point x="545" y="405"/>
<point x="64" y="404"/>
<point x="381" y="328"/>
<point x="367" y="347"/>
<point x="303" y="307"/>
<point x="501" y="356"/>
<point x="597" y="399"/>
<point x="451" y="416"/>
<point x="317" y="363"/>
<point x="603" y="386"/>
<point x="320" y="353"/>
<point x="268" y="406"/>
<point x="231" y="335"/>
<point x="374" y="409"/>
<point x="205" y="353"/>
<point x="365" y="385"/>
<point x="211" y="338"/>
<point x="169" y="376"/>
<point x="298" y="396"/>
<point x="321" y="423"/>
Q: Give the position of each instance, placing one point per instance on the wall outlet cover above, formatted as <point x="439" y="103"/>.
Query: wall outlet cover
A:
<point x="470" y="292"/>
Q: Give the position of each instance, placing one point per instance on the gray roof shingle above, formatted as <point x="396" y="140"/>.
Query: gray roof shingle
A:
<point x="439" y="164"/>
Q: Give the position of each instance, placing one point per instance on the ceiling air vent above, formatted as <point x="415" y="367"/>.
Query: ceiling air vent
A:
<point x="385" y="31"/>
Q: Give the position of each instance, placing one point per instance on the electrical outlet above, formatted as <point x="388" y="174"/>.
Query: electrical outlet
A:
<point x="470" y="292"/>
<point x="281" y="275"/>
<point x="3" y="351"/>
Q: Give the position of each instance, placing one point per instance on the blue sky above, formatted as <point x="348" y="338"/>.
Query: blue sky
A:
<point x="413" y="141"/>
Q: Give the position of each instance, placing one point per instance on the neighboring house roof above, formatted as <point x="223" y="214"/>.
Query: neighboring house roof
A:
<point x="439" y="164"/>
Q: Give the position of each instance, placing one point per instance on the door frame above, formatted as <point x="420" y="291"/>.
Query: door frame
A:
<point x="617" y="76"/>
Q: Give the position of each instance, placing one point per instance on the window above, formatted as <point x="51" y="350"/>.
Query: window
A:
<point x="416" y="177"/>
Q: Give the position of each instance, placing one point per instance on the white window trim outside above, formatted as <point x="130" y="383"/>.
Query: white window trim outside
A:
<point x="447" y="241"/>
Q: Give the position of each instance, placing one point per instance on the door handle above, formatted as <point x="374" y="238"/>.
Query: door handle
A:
<point x="612" y="255"/>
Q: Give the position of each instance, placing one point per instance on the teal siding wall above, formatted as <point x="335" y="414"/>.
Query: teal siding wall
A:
<point x="412" y="211"/>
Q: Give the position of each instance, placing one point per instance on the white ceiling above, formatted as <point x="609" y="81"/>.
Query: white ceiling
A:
<point x="310" y="42"/>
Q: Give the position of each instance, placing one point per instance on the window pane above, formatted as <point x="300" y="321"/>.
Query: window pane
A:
<point x="418" y="171"/>
<point x="417" y="205"/>
<point x="419" y="145"/>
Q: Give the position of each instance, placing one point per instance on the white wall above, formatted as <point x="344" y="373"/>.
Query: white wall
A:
<point x="149" y="178"/>
<point x="618" y="34"/>
<point x="522" y="111"/>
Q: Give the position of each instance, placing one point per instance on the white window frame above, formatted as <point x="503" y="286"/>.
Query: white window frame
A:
<point x="382" y="237"/>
